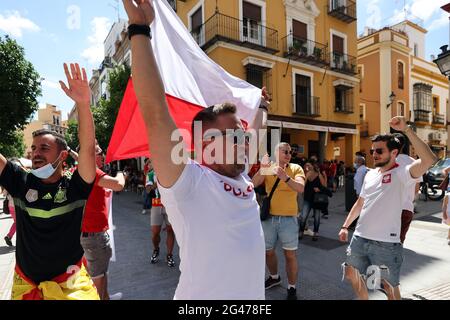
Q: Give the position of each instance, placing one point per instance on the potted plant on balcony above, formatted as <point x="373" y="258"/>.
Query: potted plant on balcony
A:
<point x="317" y="53"/>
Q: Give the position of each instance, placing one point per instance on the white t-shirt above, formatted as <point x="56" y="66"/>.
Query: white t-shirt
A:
<point x="384" y="196"/>
<point x="403" y="160"/>
<point x="218" y="229"/>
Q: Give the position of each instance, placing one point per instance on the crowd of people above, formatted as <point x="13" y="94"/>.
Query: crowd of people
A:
<point x="62" y="241"/>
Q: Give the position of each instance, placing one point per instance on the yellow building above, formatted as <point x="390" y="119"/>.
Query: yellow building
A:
<point x="48" y="118"/>
<point x="397" y="80"/>
<point x="302" y="51"/>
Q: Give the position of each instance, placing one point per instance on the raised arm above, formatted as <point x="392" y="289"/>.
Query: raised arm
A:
<point x="79" y="92"/>
<point x="2" y="163"/>
<point x="150" y="94"/>
<point x="427" y="157"/>
<point x="116" y="183"/>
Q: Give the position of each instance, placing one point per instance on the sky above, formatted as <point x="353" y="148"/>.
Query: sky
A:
<point x="57" y="31"/>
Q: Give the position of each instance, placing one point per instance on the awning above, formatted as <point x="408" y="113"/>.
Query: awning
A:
<point x="302" y="126"/>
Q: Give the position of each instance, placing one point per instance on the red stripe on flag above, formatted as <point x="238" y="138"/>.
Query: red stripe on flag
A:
<point x="129" y="137"/>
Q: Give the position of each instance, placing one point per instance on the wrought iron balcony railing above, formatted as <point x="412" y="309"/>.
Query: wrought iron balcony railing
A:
<point x="247" y="33"/>
<point x="305" y="50"/>
<point x="343" y="63"/>
<point x="344" y="10"/>
<point x="305" y="105"/>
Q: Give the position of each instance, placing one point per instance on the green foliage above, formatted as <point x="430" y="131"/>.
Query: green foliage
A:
<point x="12" y="145"/>
<point x="19" y="88"/>
<point x="105" y="113"/>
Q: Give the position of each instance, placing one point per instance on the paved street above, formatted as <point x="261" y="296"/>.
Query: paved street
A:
<point x="424" y="274"/>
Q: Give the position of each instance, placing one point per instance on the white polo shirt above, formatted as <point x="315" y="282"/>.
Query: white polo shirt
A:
<point x="218" y="229"/>
<point x="384" y="197"/>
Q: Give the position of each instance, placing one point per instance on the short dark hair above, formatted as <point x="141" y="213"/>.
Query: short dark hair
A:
<point x="209" y="115"/>
<point x="60" y="141"/>
<point x="391" y="140"/>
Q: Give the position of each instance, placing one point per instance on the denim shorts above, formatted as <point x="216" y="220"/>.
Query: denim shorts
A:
<point x="363" y="253"/>
<point x="98" y="252"/>
<point x="283" y="228"/>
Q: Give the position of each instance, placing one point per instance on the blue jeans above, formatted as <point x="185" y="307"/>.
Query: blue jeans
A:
<point x="362" y="253"/>
<point x="283" y="228"/>
<point x="307" y="207"/>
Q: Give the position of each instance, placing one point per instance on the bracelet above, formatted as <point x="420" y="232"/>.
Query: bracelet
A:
<point x="287" y="180"/>
<point x="135" y="29"/>
<point x="344" y="228"/>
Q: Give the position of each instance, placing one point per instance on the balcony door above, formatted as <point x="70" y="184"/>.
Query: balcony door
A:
<point x="251" y="19"/>
<point x="303" y="95"/>
<point x="338" y="56"/>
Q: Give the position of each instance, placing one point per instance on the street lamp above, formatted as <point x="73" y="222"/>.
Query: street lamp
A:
<point x="443" y="63"/>
<point x="391" y="99"/>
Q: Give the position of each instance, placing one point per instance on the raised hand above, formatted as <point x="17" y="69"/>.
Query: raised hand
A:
<point x="398" y="123"/>
<point x="78" y="89"/>
<point x="139" y="11"/>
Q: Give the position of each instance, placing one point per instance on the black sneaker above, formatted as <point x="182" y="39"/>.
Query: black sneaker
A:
<point x="8" y="241"/>
<point x="155" y="255"/>
<point x="170" y="261"/>
<point x="291" y="294"/>
<point x="271" y="282"/>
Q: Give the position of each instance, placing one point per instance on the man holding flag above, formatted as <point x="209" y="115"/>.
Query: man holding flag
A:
<point x="211" y="205"/>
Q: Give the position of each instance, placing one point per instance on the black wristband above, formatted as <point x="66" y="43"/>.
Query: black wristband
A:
<point x="135" y="29"/>
<point x="344" y="228"/>
<point x="287" y="180"/>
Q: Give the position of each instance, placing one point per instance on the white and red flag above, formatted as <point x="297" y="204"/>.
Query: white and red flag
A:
<point x="192" y="81"/>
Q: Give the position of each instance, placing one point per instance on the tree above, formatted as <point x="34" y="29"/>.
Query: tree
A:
<point x="105" y="114"/>
<point x="19" y="88"/>
<point x="12" y="145"/>
<point x="72" y="138"/>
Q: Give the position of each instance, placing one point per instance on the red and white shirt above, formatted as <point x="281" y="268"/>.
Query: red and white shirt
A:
<point x="384" y="197"/>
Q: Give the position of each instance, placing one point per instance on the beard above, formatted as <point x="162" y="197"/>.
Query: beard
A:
<point x="382" y="164"/>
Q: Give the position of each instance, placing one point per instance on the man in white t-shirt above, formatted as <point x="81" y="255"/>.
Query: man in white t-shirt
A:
<point x="408" y="208"/>
<point x="375" y="245"/>
<point x="212" y="208"/>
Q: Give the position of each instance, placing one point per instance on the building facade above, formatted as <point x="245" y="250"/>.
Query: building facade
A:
<point x="397" y="80"/>
<point x="303" y="52"/>
<point x="49" y="118"/>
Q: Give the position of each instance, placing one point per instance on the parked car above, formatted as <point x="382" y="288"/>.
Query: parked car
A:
<point x="435" y="175"/>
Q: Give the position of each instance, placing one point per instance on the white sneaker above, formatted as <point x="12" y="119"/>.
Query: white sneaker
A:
<point x="116" y="296"/>
<point x="309" y="232"/>
<point x="144" y="211"/>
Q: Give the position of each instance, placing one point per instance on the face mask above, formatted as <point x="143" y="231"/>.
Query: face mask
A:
<point x="46" y="171"/>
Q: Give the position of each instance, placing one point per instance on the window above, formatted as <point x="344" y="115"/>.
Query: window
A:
<point x="360" y="73"/>
<point x="338" y="52"/>
<point x="259" y="76"/>
<point x="196" y="24"/>
<point x="401" y="75"/>
<point x="251" y="16"/>
<point x="299" y="30"/>
<point x="401" y="109"/>
<point x="343" y="99"/>
<point x="416" y="50"/>
<point x="362" y="113"/>
<point x="422" y="97"/>
<point x="435" y="105"/>
<point x="303" y="94"/>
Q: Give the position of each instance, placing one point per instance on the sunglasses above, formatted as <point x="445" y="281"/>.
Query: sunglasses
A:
<point x="286" y="152"/>
<point x="239" y="136"/>
<point x="379" y="151"/>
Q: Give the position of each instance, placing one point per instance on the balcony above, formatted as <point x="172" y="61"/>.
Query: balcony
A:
<point x="248" y="34"/>
<point x="422" y="116"/>
<point x="364" y="129"/>
<point x="344" y="10"/>
<point x="304" y="50"/>
<point x="306" y="106"/>
<point x="439" y="119"/>
<point x="343" y="63"/>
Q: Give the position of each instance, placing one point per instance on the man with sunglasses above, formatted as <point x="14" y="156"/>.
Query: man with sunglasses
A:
<point x="94" y="229"/>
<point x="376" y="244"/>
<point x="211" y="204"/>
<point x="283" y="223"/>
